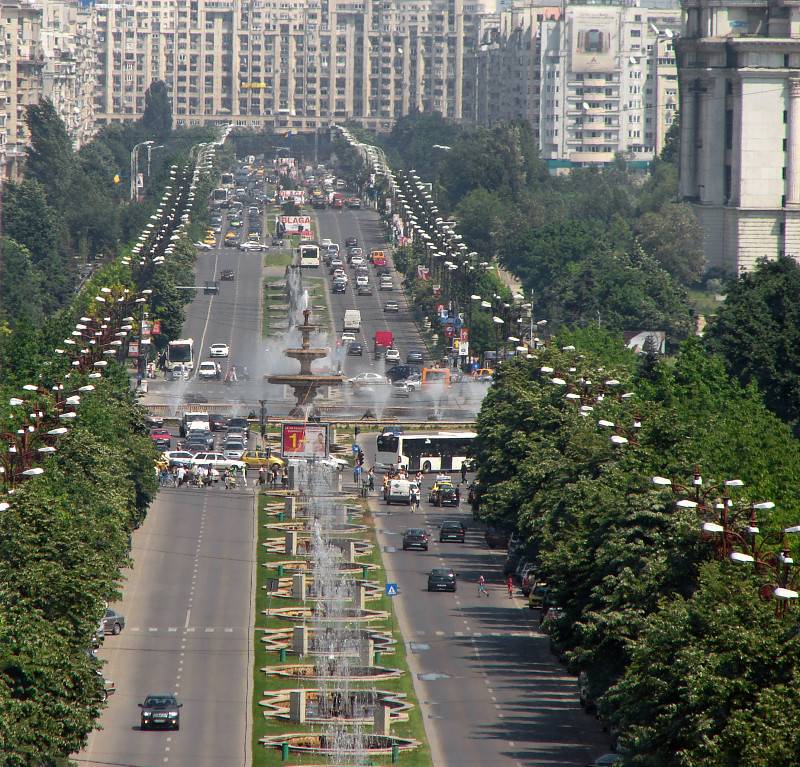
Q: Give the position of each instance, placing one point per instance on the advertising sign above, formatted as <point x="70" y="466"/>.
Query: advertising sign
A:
<point x="304" y="440"/>
<point x="464" y="334"/>
<point x="133" y="348"/>
<point x="156" y="329"/>
<point x="594" y="40"/>
<point x="463" y="349"/>
<point x="297" y="195"/>
<point x="296" y="225"/>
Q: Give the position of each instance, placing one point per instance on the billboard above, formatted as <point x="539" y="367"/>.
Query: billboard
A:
<point x="304" y="440"/>
<point x="296" y="225"/>
<point x="595" y="41"/>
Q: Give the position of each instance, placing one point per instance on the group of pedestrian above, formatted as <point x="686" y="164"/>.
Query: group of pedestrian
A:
<point x="271" y="476"/>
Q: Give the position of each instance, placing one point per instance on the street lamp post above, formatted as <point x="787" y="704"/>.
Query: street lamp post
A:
<point x="135" y="164"/>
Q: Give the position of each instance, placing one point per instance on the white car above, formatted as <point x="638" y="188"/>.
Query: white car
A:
<point x="348" y="338"/>
<point x="368" y="378"/>
<point x="362" y="281"/>
<point x="207" y="370"/>
<point x="392" y="355"/>
<point x="325" y="243"/>
<point x="217" y="461"/>
<point x="233" y="450"/>
<point x="203" y="246"/>
<point x="218" y="350"/>
<point x="339" y="274"/>
<point x="401" y="389"/>
<point x="252" y="247"/>
<point x="357" y="261"/>
<point x="178" y="457"/>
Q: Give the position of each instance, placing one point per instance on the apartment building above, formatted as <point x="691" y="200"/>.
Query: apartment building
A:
<point x="294" y="64"/>
<point x="739" y="68"/>
<point x="47" y="51"/>
<point x="593" y="80"/>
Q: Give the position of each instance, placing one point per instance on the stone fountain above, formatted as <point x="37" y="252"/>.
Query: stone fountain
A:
<point x="306" y="384"/>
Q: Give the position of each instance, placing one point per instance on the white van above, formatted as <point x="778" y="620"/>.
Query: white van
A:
<point x="399" y="491"/>
<point x="352" y="320"/>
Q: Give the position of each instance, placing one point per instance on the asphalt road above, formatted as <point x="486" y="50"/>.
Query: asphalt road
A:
<point x="187" y="604"/>
<point x="490" y="690"/>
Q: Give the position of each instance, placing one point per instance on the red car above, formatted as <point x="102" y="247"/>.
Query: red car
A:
<point x="162" y="439"/>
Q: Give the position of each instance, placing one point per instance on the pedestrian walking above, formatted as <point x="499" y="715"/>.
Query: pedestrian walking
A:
<point x="482" y="592"/>
<point x="262" y="474"/>
<point x="357" y="473"/>
<point x="181" y="476"/>
<point x="371" y="478"/>
<point x="285" y="478"/>
<point x="510" y="585"/>
<point x="464" y="471"/>
<point x="364" y="487"/>
<point x="458" y="494"/>
<point x="414" y="499"/>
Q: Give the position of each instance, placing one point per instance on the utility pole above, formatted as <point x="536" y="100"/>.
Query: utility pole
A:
<point x="262" y="421"/>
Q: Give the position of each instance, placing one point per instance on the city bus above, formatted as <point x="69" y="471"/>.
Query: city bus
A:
<point x="219" y="197"/>
<point x="309" y="255"/>
<point x="181" y="351"/>
<point x="426" y="451"/>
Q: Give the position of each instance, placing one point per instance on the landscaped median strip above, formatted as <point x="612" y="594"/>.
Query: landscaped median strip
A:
<point x="285" y="682"/>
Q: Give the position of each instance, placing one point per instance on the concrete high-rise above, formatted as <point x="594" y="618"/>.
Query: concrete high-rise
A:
<point x="739" y="69"/>
<point x="294" y="64"/>
<point x="593" y="80"/>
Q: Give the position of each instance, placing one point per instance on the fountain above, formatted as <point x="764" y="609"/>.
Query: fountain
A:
<point x="305" y="383"/>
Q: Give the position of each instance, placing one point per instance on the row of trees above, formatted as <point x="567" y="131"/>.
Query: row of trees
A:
<point x="66" y="535"/>
<point x="683" y="656"/>
<point x="73" y="208"/>
<point x="573" y="239"/>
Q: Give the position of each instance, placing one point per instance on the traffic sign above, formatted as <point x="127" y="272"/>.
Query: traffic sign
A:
<point x="391" y="589"/>
<point x="449" y="330"/>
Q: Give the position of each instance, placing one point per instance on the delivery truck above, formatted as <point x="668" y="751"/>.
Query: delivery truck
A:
<point x="352" y="321"/>
<point x="384" y="339"/>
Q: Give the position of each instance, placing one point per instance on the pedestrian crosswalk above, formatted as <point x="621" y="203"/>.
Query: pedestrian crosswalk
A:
<point x="476" y="634"/>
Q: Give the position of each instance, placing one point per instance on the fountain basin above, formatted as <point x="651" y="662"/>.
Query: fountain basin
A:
<point x="353" y="707"/>
<point x="278" y="545"/>
<point x="374" y="590"/>
<point x="313" y="743"/>
<point x="309" y="671"/>
<point x="281" y="639"/>
<point x="301" y="526"/>
<point x="304" y="566"/>
<point x="345" y="615"/>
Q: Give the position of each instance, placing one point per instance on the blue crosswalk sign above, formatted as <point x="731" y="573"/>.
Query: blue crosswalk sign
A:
<point x="355" y="448"/>
<point x="391" y="589"/>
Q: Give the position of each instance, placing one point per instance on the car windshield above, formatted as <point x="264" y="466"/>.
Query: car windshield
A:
<point x="160" y="700"/>
<point x="451" y="525"/>
<point x="415" y="531"/>
<point x="437" y="571"/>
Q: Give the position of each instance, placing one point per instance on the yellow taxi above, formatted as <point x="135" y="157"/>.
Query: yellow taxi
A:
<point x="259" y="458"/>
<point x="210" y="239"/>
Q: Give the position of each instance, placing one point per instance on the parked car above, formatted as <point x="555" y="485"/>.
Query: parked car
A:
<point x="161" y="710"/>
<point x="441" y="579"/>
<point x="537" y="595"/>
<point x="415" y="538"/>
<point x="112" y="622"/>
<point x="452" y="530"/>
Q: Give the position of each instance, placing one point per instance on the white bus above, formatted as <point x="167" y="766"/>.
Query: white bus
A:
<point x="181" y="352"/>
<point x="226" y="179"/>
<point x="219" y="196"/>
<point x="425" y="451"/>
<point x="309" y="255"/>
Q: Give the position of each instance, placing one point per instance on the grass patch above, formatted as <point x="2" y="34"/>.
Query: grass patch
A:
<point x="268" y="294"/>
<point x="262" y="726"/>
<point x="278" y="257"/>
<point x="704" y="302"/>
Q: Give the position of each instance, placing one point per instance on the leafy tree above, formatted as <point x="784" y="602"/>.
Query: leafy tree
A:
<point x="157" y="116"/>
<point x="674" y="238"/>
<point x="50" y="157"/>
<point x="20" y="286"/>
<point x="757" y="331"/>
<point x="479" y="214"/>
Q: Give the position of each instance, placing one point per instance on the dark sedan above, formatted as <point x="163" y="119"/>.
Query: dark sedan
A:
<point x="441" y="579"/>
<point x="414" y="358"/>
<point x="452" y="530"/>
<point x="415" y="538"/>
<point x="355" y="349"/>
<point x="161" y="711"/>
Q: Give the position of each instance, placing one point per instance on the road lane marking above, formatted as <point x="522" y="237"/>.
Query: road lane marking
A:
<point x="209" y="630"/>
<point x="172" y="629"/>
<point x="152" y="628"/>
<point x="188" y="615"/>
